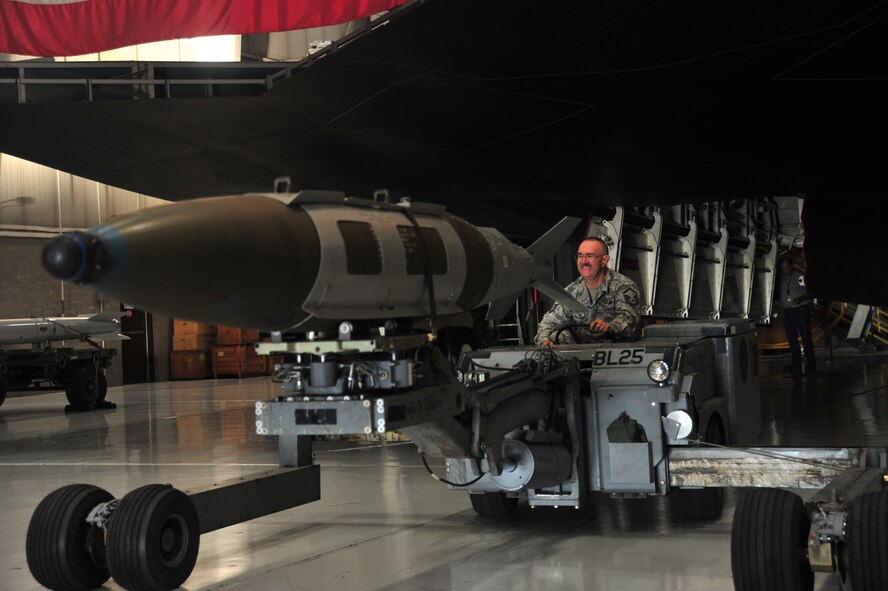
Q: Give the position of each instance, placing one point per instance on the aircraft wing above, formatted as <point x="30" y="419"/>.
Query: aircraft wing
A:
<point x="516" y="115"/>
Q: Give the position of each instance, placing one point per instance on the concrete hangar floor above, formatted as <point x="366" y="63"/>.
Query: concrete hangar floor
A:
<point x="382" y="523"/>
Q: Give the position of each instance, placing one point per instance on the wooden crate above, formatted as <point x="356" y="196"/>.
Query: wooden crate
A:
<point x="190" y="365"/>
<point x="225" y="335"/>
<point x="237" y="360"/>
<point x="193" y="342"/>
<point x="184" y="327"/>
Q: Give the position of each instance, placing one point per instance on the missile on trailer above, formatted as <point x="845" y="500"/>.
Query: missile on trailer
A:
<point x="100" y="327"/>
<point x="305" y="261"/>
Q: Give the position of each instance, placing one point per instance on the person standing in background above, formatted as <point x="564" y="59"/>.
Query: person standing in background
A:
<point x="793" y="298"/>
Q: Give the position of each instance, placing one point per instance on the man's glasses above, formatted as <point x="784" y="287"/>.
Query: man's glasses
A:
<point x="582" y="257"/>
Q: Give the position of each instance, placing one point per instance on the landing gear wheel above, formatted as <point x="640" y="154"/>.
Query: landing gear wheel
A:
<point x="867" y="542"/>
<point x="153" y="539"/>
<point x="58" y="542"/>
<point x="493" y="504"/>
<point x="86" y="387"/>
<point x="769" y="541"/>
<point x="704" y="504"/>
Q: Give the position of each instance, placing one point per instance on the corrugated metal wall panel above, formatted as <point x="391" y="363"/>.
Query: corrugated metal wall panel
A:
<point x="119" y="202"/>
<point x="28" y="193"/>
<point x="80" y="205"/>
<point x="147" y="201"/>
<point x="38" y="196"/>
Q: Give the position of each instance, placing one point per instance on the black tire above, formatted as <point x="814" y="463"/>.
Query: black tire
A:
<point x="769" y="542"/>
<point x="58" y="540"/>
<point x="494" y="504"/>
<point x="2" y="397"/>
<point x="867" y="542"/>
<point x="86" y="386"/>
<point x="704" y="504"/>
<point x="153" y="539"/>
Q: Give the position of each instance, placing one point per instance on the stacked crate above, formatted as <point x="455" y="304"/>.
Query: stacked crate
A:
<point x="234" y="353"/>
<point x="192" y="345"/>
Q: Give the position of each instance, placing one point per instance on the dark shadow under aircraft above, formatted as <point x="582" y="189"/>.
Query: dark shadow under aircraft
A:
<point x="515" y="114"/>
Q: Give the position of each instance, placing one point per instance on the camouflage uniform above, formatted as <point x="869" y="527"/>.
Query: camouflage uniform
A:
<point x="617" y="304"/>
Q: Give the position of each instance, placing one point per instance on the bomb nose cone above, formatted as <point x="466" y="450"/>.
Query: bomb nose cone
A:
<point x="68" y="256"/>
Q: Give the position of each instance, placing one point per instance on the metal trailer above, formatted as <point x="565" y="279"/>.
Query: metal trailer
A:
<point x="80" y="372"/>
<point x="668" y="414"/>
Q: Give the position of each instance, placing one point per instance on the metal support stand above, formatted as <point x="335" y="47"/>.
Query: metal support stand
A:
<point x="297" y="482"/>
<point x="248" y="497"/>
<point x="295" y="451"/>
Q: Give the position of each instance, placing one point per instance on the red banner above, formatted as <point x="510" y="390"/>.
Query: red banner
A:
<point x="76" y="27"/>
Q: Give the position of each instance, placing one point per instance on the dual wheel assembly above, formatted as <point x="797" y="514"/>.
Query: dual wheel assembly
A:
<point x="79" y="537"/>
<point x="771" y="535"/>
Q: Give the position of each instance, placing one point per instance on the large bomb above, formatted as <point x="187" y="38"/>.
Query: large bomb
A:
<point x="304" y="261"/>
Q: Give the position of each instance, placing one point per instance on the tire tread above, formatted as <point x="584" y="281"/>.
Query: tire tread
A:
<point x="868" y="542"/>
<point x="767" y="538"/>
<point x="49" y="534"/>
<point x="493" y="504"/>
<point x="128" y="529"/>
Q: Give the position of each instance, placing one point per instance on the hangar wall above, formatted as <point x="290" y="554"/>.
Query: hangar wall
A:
<point x="36" y="204"/>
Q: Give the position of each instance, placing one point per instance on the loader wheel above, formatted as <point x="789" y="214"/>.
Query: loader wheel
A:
<point x="769" y="542"/>
<point x="867" y="542"/>
<point x="704" y="504"/>
<point x="59" y="547"/>
<point x="153" y="539"/>
<point x="86" y="386"/>
<point x="493" y="504"/>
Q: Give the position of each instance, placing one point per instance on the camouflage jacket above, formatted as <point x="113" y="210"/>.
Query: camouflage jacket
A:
<point x="617" y="304"/>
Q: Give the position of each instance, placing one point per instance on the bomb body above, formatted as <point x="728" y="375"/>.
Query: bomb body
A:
<point x="304" y="261"/>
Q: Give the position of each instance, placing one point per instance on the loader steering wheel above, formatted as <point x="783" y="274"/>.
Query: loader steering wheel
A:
<point x="597" y="337"/>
